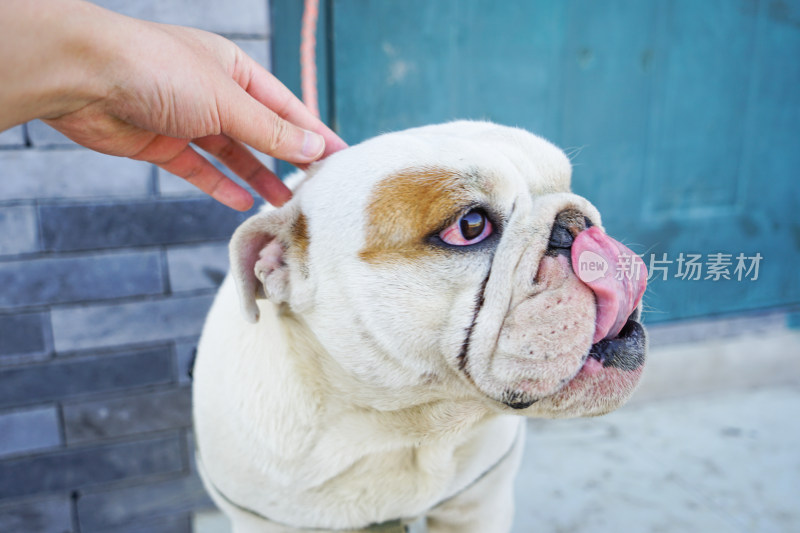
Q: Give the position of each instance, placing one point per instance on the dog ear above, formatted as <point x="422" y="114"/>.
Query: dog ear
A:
<point x="259" y="255"/>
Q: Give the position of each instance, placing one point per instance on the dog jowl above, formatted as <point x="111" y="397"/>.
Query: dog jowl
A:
<point x="366" y="362"/>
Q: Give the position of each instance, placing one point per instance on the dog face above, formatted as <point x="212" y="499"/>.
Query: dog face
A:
<point x="438" y="261"/>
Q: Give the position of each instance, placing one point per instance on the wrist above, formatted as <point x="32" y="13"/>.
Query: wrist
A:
<point x="53" y="57"/>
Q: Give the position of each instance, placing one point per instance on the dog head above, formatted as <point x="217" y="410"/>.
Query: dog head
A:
<point x="442" y="257"/>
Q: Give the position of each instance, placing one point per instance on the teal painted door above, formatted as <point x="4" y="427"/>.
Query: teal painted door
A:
<point x="682" y="117"/>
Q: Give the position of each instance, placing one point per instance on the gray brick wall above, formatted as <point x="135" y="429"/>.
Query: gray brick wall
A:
<point x="14" y="137"/>
<point x="107" y="268"/>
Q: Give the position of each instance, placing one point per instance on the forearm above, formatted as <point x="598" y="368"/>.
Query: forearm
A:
<point x="52" y="56"/>
<point x="147" y="91"/>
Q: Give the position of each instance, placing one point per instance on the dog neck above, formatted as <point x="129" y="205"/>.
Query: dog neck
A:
<point x="432" y="409"/>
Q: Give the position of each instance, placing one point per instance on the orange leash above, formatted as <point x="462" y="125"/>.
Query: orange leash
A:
<point x="308" y="63"/>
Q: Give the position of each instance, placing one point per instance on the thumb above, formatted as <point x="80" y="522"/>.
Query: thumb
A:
<point x="247" y="120"/>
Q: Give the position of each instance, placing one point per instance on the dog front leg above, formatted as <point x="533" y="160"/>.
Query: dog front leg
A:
<point x="487" y="505"/>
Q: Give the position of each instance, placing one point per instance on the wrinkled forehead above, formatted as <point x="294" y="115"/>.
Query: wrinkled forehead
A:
<point x="382" y="200"/>
<point x="438" y="164"/>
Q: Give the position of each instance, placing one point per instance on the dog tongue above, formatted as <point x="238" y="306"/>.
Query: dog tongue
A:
<point x="617" y="276"/>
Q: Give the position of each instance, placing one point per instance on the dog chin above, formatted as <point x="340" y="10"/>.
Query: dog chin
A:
<point x="607" y="377"/>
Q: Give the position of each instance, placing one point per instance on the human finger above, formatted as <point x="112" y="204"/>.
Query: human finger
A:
<point x="198" y="171"/>
<point x="268" y="90"/>
<point x="245" y="165"/>
<point x="245" y="119"/>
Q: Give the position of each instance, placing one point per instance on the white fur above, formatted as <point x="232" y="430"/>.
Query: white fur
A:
<point x="336" y="399"/>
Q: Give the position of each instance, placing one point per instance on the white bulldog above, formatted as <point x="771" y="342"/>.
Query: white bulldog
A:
<point x="413" y="298"/>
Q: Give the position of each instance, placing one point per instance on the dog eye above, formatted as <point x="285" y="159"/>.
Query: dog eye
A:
<point x="471" y="228"/>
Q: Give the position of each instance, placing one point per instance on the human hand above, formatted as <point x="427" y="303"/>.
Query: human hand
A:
<point x="156" y="89"/>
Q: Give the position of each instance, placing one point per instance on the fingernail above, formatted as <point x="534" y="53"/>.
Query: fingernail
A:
<point x="313" y="145"/>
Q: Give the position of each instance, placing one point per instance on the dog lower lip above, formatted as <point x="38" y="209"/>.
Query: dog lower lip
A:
<point x="626" y="350"/>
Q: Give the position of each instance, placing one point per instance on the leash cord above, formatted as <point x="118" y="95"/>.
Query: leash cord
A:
<point x="308" y="63"/>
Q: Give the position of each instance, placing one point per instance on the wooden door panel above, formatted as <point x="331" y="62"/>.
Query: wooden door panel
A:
<point x="682" y="117"/>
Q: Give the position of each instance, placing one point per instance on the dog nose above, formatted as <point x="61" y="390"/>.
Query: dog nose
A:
<point x="567" y="225"/>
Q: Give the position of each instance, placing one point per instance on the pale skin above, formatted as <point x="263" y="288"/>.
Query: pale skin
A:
<point x="148" y="91"/>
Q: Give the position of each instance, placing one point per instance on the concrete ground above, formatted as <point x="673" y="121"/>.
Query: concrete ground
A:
<point x="721" y="462"/>
<point x="710" y="442"/>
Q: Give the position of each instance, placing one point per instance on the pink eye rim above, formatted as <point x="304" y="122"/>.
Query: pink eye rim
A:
<point x="453" y="235"/>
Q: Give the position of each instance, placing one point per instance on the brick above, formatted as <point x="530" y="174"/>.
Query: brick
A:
<point x="181" y="523"/>
<point x="93" y="226"/>
<point x="185" y="351"/>
<point x="132" y="323"/>
<point x="191" y="446"/>
<point x="81" y="376"/>
<point x="29" y="430"/>
<point x="197" y="267"/>
<point x="23" y="334"/>
<point x="118" y="417"/>
<point x="60" y="174"/>
<point x="13" y="136"/>
<point x="18" y="230"/>
<point x="111" y="509"/>
<point x="75" y="469"/>
<point x="51" y="515"/>
<point x="231" y="17"/>
<point x="74" y="279"/>
<point x="40" y="134"/>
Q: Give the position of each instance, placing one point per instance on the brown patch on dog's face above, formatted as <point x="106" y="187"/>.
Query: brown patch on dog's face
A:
<point x="406" y="207"/>
<point x="300" y="242"/>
